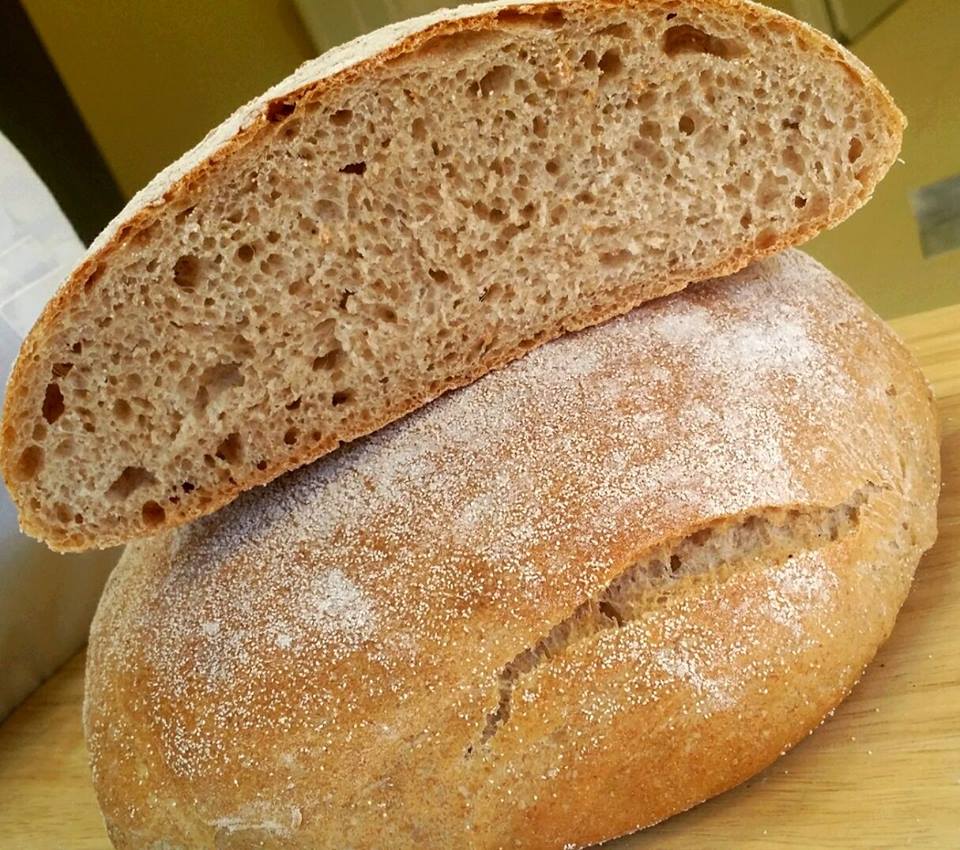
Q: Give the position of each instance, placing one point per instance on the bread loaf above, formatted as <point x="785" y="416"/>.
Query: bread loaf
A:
<point x="582" y="594"/>
<point x="407" y="212"/>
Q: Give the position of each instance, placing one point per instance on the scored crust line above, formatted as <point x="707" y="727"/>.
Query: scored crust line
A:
<point x="716" y="550"/>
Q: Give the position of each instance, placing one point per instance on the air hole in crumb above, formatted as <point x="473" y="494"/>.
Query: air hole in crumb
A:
<point x="215" y="380"/>
<point x="295" y="404"/>
<point x="182" y="216"/>
<point x="53" y="406"/>
<point x="153" y="514"/>
<point x="122" y="409"/>
<point x="891" y="390"/>
<point x="686" y="125"/>
<point x="327" y="361"/>
<point x="273" y="264"/>
<point x="325" y="210"/>
<point x="245" y="253"/>
<point x="418" y="129"/>
<point x="793" y="160"/>
<point x="93" y="278"/>
<point x="589" y="60"/>
<point x="610" y="65"/>
<point x="622" y="30"/>
<point x="29" y="463"/>
<point x="61" y="370"/>
<point x="551" y="16"/>
<point x="341" y="117"/>
<point x="231" y="449"/>
<point x="262" y="465"/>
<point x="649" y="130"/>
<point x="799" y="202"/>
<point x="687" y="39"/>
<point x="291" y="436"/>
<point x="188" y="487"/>
<point x="340" y="397"/>
<point x="129" y="481"/>
<point x="496" y="80"/>
<point x="766" y="239"/>
<point x="277" y="110"/>
<point x="439" y="275"/>
<point x="186" y="270"/>
<point x="358" y="168"/>
<point x="616" y="258"/>
<point x="552" y="166"/>
<point x="856" y="149"/>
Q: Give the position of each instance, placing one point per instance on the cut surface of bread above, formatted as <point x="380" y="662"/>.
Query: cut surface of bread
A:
<point x="408" y="212"/>
<point x="586" y="592"/>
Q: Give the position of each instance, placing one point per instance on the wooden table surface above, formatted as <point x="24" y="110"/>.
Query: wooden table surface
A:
<point x="884" y="772"/>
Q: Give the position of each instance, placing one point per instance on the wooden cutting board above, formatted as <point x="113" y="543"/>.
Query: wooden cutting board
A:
<point x="884" y="772"/>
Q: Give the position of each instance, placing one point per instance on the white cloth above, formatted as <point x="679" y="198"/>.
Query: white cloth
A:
<point x="46" y="600"/>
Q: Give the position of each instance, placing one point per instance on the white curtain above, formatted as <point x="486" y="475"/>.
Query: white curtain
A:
<point x="46" y="600"/>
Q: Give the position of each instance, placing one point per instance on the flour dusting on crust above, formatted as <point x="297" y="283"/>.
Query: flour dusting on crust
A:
<point x="538" y="483"/>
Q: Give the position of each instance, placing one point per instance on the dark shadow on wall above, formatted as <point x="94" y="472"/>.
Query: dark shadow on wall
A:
<point x="39" y="118"/>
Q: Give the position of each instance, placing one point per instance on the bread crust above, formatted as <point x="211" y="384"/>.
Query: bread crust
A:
<point x="319" y="78"/>
<point x="295" y="671"/>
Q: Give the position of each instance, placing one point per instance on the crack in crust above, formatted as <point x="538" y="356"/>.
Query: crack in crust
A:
<point x="715" y="551"/>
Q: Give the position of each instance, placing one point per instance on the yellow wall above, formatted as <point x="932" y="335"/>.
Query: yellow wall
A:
<point x="914" y="51"/>
<point x="151" y="77"/>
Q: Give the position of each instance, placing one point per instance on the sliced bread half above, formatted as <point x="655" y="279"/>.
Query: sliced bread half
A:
<point x="408" y="212"/>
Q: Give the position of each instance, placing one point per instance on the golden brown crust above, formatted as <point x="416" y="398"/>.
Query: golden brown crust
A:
<point x="337" y="70"/>
<point x="296" y="671"/>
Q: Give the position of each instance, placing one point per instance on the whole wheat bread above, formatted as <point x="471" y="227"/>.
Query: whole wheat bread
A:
<point x="408" y="212"/>
<point x="589" y="591"/>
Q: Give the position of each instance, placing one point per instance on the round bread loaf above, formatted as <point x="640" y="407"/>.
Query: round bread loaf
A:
<point x="408" y="212"/>
<point x="589" y="591"/>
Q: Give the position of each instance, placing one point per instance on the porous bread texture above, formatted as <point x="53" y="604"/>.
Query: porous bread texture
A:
<point x="295" y="670"/>
<point x="404" y="215"/>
